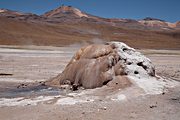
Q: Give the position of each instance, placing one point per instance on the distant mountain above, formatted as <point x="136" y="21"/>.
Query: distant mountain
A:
<point x="153" y="19"/>
<point x="67" y="25"/>
<point x="18" y="15"/>
<point x="178" y="24"/>
<point x="63" y="11"/>
<point x="70" y="14"/>
<point x="6" y="12"/>
<point x="157" y="23"/>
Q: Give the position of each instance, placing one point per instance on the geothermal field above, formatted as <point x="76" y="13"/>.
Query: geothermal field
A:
<point x="26" y="95"/>
<point x="116" y="62"/>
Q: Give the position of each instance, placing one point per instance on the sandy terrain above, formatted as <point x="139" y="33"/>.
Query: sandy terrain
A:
<point x="24" y="66"/>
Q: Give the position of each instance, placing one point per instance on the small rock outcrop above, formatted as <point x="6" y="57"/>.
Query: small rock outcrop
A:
<point x="96" y="65"/>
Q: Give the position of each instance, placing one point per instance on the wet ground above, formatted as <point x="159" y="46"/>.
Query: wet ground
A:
<point x="22" y="70"/>
<point x="30" y="91"/>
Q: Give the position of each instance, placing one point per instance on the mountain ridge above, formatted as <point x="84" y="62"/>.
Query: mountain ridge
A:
<point x="66" y="13"/>
<point x="66" y="25"/>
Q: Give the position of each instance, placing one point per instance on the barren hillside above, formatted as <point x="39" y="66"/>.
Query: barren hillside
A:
<point x="64" y="26"/>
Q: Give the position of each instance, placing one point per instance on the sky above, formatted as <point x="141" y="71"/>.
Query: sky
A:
<point x="168" y="10"/>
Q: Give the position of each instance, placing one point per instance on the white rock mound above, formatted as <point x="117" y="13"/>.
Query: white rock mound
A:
<point x="96" y="65"/>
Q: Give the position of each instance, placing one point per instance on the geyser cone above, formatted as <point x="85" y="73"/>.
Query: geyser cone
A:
<point x="96" y="65"/>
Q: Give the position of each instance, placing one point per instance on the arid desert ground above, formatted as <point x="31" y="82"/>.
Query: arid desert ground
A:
<point x="22" y="68"/>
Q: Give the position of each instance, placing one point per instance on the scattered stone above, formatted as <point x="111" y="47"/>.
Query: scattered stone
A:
<point x="152" y="106"/>
<point x="104" y="108"/>
<point x="176" y="99"/>
<point x="6" y="74"/>
<point x="22" y="85"/>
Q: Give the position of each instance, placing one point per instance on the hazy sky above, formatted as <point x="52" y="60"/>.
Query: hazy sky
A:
<point x="168" y="10"/>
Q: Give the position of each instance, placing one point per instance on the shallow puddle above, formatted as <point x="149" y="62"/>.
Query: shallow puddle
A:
<point x="32" y="91"/>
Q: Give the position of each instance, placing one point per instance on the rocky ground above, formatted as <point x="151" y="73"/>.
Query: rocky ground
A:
<point x="20" y="67"/>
